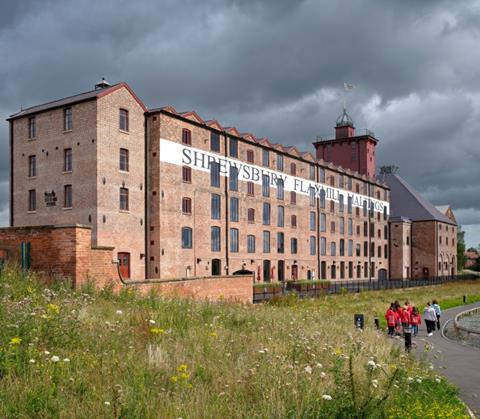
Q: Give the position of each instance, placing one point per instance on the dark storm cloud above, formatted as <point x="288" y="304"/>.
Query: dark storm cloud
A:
<point x="274" y="68"/>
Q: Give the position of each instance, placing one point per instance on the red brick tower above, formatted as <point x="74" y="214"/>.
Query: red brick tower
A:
<point x="355" y="152"/>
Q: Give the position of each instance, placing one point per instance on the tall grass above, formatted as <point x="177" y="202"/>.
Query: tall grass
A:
<point x="96" y="354"/>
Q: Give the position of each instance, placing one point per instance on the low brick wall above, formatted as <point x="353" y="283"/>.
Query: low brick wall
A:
<point x="236" y="288"/>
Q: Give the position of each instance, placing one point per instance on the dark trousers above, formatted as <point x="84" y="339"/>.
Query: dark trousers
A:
<point x="391" y="330"/>
<point x="438" y="321"/>
<point x="430" y="325"/>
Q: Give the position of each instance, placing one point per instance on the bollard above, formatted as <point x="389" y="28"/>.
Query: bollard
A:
<point x="464" y="299"/>
<point x="407" y="332"/>
<point x="359" y="321"/>
<point x="377" y="322"/>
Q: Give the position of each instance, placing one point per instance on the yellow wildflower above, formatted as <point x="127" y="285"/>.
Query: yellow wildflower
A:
<point x="173" y="378"/>
<point x="53" y="308"/>
<point x="156" y="331"/>
<point x="16" y="340"/>
<point x="182" y="368"/>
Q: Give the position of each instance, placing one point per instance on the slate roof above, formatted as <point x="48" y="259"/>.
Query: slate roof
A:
<point x="405" y="201"/>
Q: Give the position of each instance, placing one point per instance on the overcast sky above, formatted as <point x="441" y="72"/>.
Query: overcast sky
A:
<point x="274" y="68"/>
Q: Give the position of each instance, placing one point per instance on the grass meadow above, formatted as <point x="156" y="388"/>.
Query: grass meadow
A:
<point x="90" y="354"/>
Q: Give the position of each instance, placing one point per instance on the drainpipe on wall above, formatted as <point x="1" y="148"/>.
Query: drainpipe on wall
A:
<point x="317" y="180"/>
<point x="227" y="270"/>
<point x="11" y="172"/>
<point x="369" y="234"/>
<point x="146" y="218"/>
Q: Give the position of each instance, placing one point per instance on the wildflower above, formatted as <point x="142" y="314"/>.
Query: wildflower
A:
<point x="371" y="364"/>
<point x="66" y="360"/>
<point x="323" y="375"/>
<point x="173" y="378"/>
<point x="55" y="358"/>
<point x="438" y="380"/>
<point x="375" y="383"/>
<point x="319" y="365"/>
<point x="119" y="312"/>
<point x="409" y="380"/>
<point x="32" y="361"/>
<point x="46" y="353"/>
<point x="430" y="367"/>
<point x="308" y="369"/>
<point x="182" y="368"/>
<point x="261" y="351"/>
<point x="157" y="331"/>
<point x="16" y="340"/>
<point x="213" y="334"/>
<point x="419" y="381"/>
<point x="53" y="309"/>
<point x="152" y="321"/>
<point x="326" y="397"/>
<point x="106" y="403"/>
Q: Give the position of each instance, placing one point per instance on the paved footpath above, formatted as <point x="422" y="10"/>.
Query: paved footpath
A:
<point x="458" y="362"/>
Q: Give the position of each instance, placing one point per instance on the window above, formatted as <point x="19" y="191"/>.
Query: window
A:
<point x="312" y="172"/>
<point x="293" y="246"/>
<point x="250" y="188"/>
<point x="312" y="221"/>
<point x="186" y="238"/>
<point x="332" y="226"/>
<point x="251" y="215"/>
<point x="313" y="246"/>
<point x="328" y="153"/>
<point x="32" y="200"/>
<point x="234" y="240"/>
<point x="311" y="191"/>
<point x="187" y="205"/>
<point x="280" y="243"/>
<point x="385" y="216"/>
<point x="233" y="147"/>
<point x="365" y="269"/>
<point x="251" y="243"/>
<point x="266" y="242"/>
<point x="215" y="206"/>
<point x="342" y="225"/>
<point x="350" y="269"/>
<point x="323" y="246"/>
<point x="350" y="203"/>
<point x="293" y="221"/>
<point x="349" y="183"/>
<point x="215" y="239"/>
<point x="322" y="175"/>
<point x="32" y="127"/>
<point x="280" y="189"/>
<point x="365" y="208"/>
<point x="350" y="248"/>
<point x="341" y="202"/>
<point x="32" y="166"/>
<point x="293" y="197"/>
<point x="123" y="159"/>
<point x="323" y="222"/>
<point x="265" y="185"/>
<point x="266" y="214"/>
<point x="365" y="229"/>
<point x="233" y="180"/>
<point x="123" y="199"/>
<point x="385" y="251"/>
<point x="334" y="271"/>
<point x="293" y="169"/>
<point x="281" y="216"/>
<point x="341" y="181"/>
<point x="250" y="156"/>
<point x="350" y="227"/>
<point x="67" y="196"/>
<point x="332" y="206"/>
<point x="372" y="250"/>
<point x="342" y="247"/>
<point x="67" y="119"/>
<point x="365" y="249"/>
<point x="379" y="251"/>
<point x="187" y="174"/>
<point x="214" y="142"/>
<point x="234" y="209"/>
<point x="333" y="248"/>
<point x="280" y="162"/>
<point x="215" y="174"/>
<point x="354" y="152"/>
<point x="186" y="136"/>
<point x="123" y="120"/>
<point x="358" y="250"/>
<point x="265" y="158"/>
<point x="322" y="198"/>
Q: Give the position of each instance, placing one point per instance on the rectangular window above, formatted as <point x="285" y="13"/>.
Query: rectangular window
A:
<point x="186" y="136"/>
<point x="322" y="175"/>
<point x="32" y="127"/>
<point x="280" y="243"/>
<point x="123" y="159"/>
<point x="123" y="123"/>
<point x="187" y="174"/>
<point x="32" y="166"/>
<point x="250" y="156"/>
<point x="350" y="269"/>
<point x="385" y="251"/>
<point x="350" y="204"/>
<point x="312" y="221"/>
<point x="266" y="214"/>
<point x="342" y="225"/>
<point x="32" y="200"/>
<point x="358" y="250"/>
<point x="340" y="181"/>
<point x="372" y="250"/>
<point x="293" y="246"/>
<point x="215" y="206"/>
<point x="251" y="243"/>
<point x="67" y="196"/>
<point x="67" y="160"/>
<point x="350" y="227"/>
<point x="365" y="269"/>
<point x="280" y="162"/>
<point x="250" y="188"/>
<point x="323" y="246"/>
<point x="67" y="119"/>
<point x="379" y="251"/>
<point x="350" y="248"/>
<point x="293" y="197"/>
<point x="365" y="229"/>
<point x="234" y="240"/>
<point x="311" y="192"/>
<point x="333" y="248"/>
<point x="342" y="270"/>
<point x="233" y="147"/>
<point x="265" y="185"/>
<point x="281" y="217"/>
<point x="293" y="221"/>
<point x="214" y="142"/>
<point x="349" y="183"/>
<point x="322" y="198"/>
<point x="266" y="242"/>
<point x="332" y="226"/>
<point x="385" y="232"/>
<point x="187" y="205"/>
<point x="341" y="203"/>
<point x="265" y="158"/>
<point x="215" y="174"/>
<point x="215" y="239"/>
<point x="186" y="238"/>
<point x="280" y="189"/>
<point x="293" y="169"/>
<point x="323" y="222"/>
<point x="365" y="203"/>
<point x="342" y="247"/>
<point x="251" y="215"/>
<point x="234" y="209"/>
<point x="312" y="172"/>
<point x="332" y="206"/>
<point x="365" y="249"/>
<point x="123" y="199"/>
<point x="233" y="179"/>
<point x="313" y="246"/>
<point x="385" y="213"/>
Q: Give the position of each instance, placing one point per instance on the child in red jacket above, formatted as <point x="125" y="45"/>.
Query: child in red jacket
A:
<point x="416" y="320"/>
<point x="391" y="320"/>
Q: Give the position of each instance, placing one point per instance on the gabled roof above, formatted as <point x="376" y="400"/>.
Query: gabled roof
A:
<point x="193" y="116"/>
<point x="405" y="201"/>
<point x="82" y="97"/>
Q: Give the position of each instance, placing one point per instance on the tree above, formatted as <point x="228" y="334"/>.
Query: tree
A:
<point x="460" y="249"/>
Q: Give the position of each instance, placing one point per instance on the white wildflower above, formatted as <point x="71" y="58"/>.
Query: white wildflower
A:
<point x="319" y="365"/>
<point x="106" y="403"/>
<point x="66" y="360"/>
<point x="308" y="369"/>
<point x="323" y="375"/>
<point x="119" y="312"/>
<point x="32" y="361"/>
<point x="261" y="351"/>
<point x="151" y="321"/>
<point x="375" y="383"/>
<point x="438" y="380"/>
<point x="46" y="353"/>
<point x="419" y="381"/>
<point x="371" y="364"/>
<point x="55" y="358"/>
<point x="409" y="380"/>
<point x="326" y="397"/>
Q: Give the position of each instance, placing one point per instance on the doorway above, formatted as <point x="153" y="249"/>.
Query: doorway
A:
<point x="124" y="264"/>
<point x="382" y="274"/>
<point x="294" y="272"/>
<point x="216" y="267"/>
<point x="266" y="271"/>
<point x="425" y="273"/>
<point x="323" y="270"/>
<point x="281" y="270"/>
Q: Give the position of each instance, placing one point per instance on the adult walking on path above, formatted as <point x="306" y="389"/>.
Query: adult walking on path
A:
<point x="459" y="363"/>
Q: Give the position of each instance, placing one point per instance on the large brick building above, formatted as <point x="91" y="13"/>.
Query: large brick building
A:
<point x="178" y="196"/>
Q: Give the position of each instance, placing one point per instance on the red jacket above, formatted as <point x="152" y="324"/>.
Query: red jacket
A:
<point x="405" y="317"/>
<point x="416" y="319"/>
<point x="409" y="309"/>
<point x="391" y="317"/>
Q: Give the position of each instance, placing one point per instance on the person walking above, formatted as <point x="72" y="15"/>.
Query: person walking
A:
<point x="430" y="318"/>
<point x="416" y="320"/>
<point x="391" y="320"/>
<point x="438" y="312"/>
